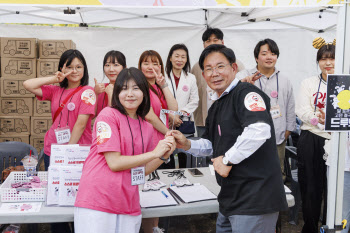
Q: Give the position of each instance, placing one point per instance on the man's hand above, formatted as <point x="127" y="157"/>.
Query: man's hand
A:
<point x="181" y="141"/>
<point x="286" y="134"/>
<point x="220" y="167"/>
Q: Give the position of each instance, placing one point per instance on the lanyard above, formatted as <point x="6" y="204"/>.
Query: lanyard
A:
<point x="159" y="96"/>
<point x="59" y="104"/>
<point x="318" y="90"/>
<point x="266" y="85"/>
<point x="172" y="85"/>
<point x="132" y="136"/>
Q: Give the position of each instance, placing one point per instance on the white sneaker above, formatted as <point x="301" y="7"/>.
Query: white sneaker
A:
<point x="158" y="230"/>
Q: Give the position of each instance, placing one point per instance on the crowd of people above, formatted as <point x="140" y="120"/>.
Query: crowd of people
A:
<point x="243" y="116"/>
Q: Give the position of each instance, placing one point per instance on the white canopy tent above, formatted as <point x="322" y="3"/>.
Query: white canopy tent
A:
<point x="133" y="30"/>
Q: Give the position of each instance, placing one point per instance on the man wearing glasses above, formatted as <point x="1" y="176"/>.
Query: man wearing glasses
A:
<point x="239" y="133"/>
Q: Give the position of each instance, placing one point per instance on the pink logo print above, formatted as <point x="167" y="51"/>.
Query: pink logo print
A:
<point x="185" y="88"/>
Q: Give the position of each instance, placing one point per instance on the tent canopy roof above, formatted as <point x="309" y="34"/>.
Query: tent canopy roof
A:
<point x="123" y="17"/>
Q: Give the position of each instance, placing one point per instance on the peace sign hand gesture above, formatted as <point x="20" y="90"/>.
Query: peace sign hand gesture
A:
<point x="60" y="76"/>
<point x="160" y="80"/>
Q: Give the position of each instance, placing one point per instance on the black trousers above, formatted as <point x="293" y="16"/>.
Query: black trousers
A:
<point x="312" y="178"/>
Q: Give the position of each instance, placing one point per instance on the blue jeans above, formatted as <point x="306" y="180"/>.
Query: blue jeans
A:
<point x="346" y="201"/>
<point x="265" y="223"/>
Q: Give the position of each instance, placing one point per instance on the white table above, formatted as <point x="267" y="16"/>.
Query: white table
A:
<point x="66" y="214"/>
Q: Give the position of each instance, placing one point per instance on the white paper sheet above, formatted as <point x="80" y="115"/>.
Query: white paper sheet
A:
<point x="69" y="184"/>
<point x="25" y="207"/>
<point x="156" y="199"/>
<point x="193" y="193"/>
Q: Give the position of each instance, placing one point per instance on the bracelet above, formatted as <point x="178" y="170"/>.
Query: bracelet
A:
<point x="165" y="160"/>
<point x="164" y="86"/>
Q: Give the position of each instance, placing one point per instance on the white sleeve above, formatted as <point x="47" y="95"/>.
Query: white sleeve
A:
<point x="303" y="109"/>
<point x="201" y="147"/>
<point x="251" y="139"/>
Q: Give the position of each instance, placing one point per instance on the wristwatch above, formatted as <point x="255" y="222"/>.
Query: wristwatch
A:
<point x="226" y="161"/>
<point x="165" y="160"/>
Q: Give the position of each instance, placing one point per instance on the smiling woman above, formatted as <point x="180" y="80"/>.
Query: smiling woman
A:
<point x="182" y="83"/>
<point x="310" y="108"/>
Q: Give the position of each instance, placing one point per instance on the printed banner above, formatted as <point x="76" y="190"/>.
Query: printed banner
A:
<point x="338" y="103"/>
<point x="175" y="112"/>
<point x="178" y="3"/>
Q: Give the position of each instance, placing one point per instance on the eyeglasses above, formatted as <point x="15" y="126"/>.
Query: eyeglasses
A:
<point x="219" y="68"/>
<point x="77" y="68"/>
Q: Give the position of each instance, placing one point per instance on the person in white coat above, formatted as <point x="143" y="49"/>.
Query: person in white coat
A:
<point x="181" y="83"/>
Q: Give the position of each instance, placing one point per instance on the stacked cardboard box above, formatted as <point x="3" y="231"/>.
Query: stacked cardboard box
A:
<point x="22" y="117"/>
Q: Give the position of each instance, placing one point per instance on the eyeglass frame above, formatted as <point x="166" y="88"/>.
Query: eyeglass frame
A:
<point x="216" y="68"/>
<point x="77" y="69"/>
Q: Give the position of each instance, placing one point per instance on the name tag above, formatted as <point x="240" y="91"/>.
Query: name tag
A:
<point x="137" y="175"/>
<point x="275" y="111"/>
<point x="162" y="117"/>
<point x="62" y="135"/>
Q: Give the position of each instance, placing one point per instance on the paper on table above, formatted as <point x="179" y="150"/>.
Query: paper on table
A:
<point x="193" y="193"/>
<point x="58" y="152"/>
<point x="156" y="199"/>
<point x="211" y="168"/>
<point x="27" y="207"/>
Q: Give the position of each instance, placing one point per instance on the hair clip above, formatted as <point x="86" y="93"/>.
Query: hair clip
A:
<point x="319" y="42"/>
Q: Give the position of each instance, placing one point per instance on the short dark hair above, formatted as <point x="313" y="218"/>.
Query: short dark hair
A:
<point x="210" y="31"/>
<point x="115" y="56"/>
<point x="219" y="48"/>
<point x="66" y="58"/>
<point x="124" y="76"/>
<point x="169" y="64"/>
<point x="326" y="51"/>
<point x="272" y="46"/>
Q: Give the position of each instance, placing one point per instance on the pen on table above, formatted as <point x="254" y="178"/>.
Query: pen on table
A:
<point x="166" y="196"/>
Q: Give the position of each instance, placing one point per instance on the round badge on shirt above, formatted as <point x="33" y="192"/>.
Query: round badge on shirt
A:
<point x="185" y="88"/>
<point x="88" y="97"/>
<point x="254" y="102"/>
<point x="104" y="132"/>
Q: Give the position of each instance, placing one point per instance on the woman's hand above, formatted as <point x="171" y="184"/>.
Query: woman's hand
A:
<point x="170" y="139"/>
<point x="177" y="121"/>
<point x="109" y="90"/>
<point x="252" y="78"/>
<point x="321" y="117"/>
<point x="162" y="147"/>
<point x="181" y="141"/>
<point x="160" y="80"/>
<point x="60" y="76"/>
<point x="99" y="87"/>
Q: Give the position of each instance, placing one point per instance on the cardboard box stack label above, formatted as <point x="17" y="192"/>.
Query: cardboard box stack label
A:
<point x="46" y="67"/>
<point x="18" y="47"/>
<point x="18" y="67"/>
<point x="13" y="87"/>
<point x="40" y="125"/>
<point x="11" y="125"/>
<point x="54" y="48"/>
<point x="37" y="142"/>
<point x="42" y="108"/>
<point x="18" y="138"/>
<point x="16" y="107"/>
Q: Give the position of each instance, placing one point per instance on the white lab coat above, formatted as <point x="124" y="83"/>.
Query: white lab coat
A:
<point x="186" y="93"/>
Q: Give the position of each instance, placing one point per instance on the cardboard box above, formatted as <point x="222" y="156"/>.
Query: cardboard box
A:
<point x="40" y="125"/>
<point x="13" y="87"/>
<point x="16" y="106"/>
<point x="42" y="108"/>
<point x="46" y="67"/>
<point x="18" y="47"/>
<point x="11" y="125"/>
<point x="17" y="138"/>
<point x="37" y="142"/>
<point x="18" y="67"/>
<point x="54" y="48"/>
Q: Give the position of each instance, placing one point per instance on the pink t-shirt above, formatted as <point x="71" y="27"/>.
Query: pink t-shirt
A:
<point x="100" y="188"/>
<point x="102" y="101"/>
<point x="84" y="103"/>
<point x="157" y="104"/>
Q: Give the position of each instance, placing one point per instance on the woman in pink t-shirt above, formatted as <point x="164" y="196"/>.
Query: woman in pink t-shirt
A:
<point x="73" y="79"/>
<point x="107" y="200"/>
<point x="151" y="65"/>
<point x="113" y="63"/>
